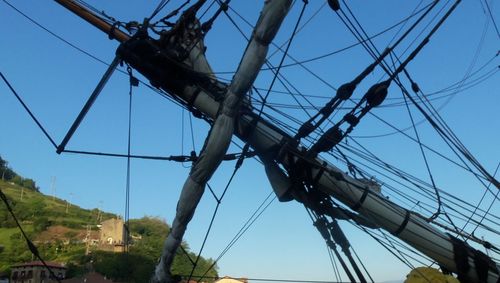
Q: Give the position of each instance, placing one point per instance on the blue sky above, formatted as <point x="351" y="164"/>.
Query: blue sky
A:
<point x="55" y="81"/>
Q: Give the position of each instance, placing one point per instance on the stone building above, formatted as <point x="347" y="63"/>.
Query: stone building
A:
<point x="36" y="272"/>
<point x="112" y="235"/>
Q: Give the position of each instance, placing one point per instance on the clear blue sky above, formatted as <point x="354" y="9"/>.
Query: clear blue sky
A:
<point x="55" y="81"/>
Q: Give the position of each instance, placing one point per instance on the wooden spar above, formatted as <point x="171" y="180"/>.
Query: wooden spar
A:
<point x="264" y="136"/>
<point x="94" y="20"/>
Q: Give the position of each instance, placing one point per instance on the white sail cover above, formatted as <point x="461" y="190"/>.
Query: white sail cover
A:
<point x="217" y="142"/>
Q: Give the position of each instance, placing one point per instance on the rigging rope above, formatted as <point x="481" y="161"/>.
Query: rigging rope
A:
<point x="296" y="62"/>
<point x="299" y="29"/>
<point x="133" y="82"/>
<point x="460" y="147"/>
<point x="269" y="66"/>
<point x="390" y="242"/>
<point x="158" y="9"/>
<point x="180" y="158"/>
<point x="172" y="13"/>
<point x="401" y="174"/>
<point x="247" y="146"/>
<point x="96" y="11"/>
<point x="128" y="156"/>
<point x="206" y="26"/>
<point x="491" y="17"/>
<point x="453" y="203"/>
<point x="276" y="74"/>
<point x="485" y="212"/>
<point x="430" y="95"/>
<point x="424" y="156"/>
<point x="445" y="134"/>
<point x="250" y="221"/>
<point x="28" y="110"/>
<point x="237" y="166"/>
<point x="33" y="249"/>
<point x="375" y="95"/>
<point x="54" y="34"/>
<point x="332" y="240"/>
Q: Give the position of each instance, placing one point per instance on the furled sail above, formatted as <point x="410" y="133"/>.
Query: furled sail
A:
<point x="222" y="130"/>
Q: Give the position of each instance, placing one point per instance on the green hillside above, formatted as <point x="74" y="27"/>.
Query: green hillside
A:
<point x="30" y="205"/>
<point x="39" y="215"/>
<point x="58" y="228"/>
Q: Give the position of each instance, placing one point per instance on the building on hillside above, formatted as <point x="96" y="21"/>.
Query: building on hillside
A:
<point x="92" y="277"/>
<point x="36" y="272"/>
<point x="227" y="279"/>
<point x="112" y="235"/>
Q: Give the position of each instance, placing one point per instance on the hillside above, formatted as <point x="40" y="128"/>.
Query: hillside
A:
<point x="48" y="221"/>
<point x="58" y="228"/>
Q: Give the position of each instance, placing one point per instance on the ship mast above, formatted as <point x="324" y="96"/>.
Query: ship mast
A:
<point x="276" y="147"/>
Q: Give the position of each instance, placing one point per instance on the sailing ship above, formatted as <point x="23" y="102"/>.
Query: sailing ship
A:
<point x="311" y="149"/>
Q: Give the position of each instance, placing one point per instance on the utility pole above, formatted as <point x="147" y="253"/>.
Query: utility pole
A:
<point x="22" y="192"/>
<point x="87" y="241"/>
<point x="68" y="203"/>
<point x="53" y="187"/>
<point x="99" y="214"/>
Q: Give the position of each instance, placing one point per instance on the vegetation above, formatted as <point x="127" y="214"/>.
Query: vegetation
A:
<point x="7" y="174"/>
<point x="148" y="234"/>
<point x="36" y="214"/>
<point x="152" y="232"/>
<point x="57" y="233"/>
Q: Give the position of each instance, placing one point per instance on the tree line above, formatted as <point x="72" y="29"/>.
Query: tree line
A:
<point x="137" y="266"/>
<point x="10" y="175"/>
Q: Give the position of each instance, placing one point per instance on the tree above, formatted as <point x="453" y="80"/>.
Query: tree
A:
<point x="149" y="226"/>
<point x="3" y="163"/>
<point x="29" y="184"/>
<point x="117" y="266"/>
<point x="153" y="232"/>
<point x="182" y="265"/>
<point x="6" y="172"/>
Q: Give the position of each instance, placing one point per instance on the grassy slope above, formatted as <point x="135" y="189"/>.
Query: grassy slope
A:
<point x="5" y="234"/>
<point x="36" y="205"/>
<point x="54" y="208"/>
